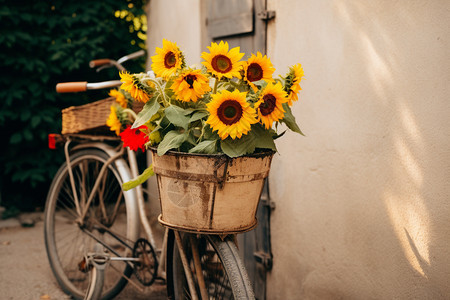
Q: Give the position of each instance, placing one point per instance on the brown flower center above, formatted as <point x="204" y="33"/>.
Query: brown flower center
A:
<point x="221" y="63"/>
<point x="190" y="80"/>
<point x="268" y="105"/>
<point x="254" y="72"/>
<point x="229" y="112"/>
<point x="170" y="60"/>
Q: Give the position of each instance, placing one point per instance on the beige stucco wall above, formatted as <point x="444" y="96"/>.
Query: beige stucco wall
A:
<point x="177" y="21"/>
<point x="362" y="202"/>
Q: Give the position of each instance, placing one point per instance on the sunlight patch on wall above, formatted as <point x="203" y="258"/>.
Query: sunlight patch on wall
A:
<point x="410" y="223"/>
<point x="378" y="69"/>
<point x="410" y="124"/>
<point x="409" y="162"/>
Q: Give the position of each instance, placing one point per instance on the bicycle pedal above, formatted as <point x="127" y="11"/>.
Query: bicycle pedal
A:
<point x="83" y="266"/>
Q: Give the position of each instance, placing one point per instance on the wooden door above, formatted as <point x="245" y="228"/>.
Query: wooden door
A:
<point x="243" y="23"/>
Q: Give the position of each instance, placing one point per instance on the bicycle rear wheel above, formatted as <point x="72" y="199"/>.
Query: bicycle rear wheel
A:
<point x="69" y="234"/>
<point x="222" y="270"/>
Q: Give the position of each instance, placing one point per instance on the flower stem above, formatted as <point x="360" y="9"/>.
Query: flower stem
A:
<point x="131" y="112"/>
<point x="216" y="83"/>
<point x="160" y="89"/>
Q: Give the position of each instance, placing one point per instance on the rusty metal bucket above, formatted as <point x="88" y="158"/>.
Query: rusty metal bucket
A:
<point x="210" y="193"/>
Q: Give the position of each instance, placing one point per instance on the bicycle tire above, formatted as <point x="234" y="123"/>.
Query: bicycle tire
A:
<point x="222" y="268"/>
<point x="66" y="242"/>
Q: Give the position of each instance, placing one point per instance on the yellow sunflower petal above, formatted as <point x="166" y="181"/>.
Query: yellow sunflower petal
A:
<point x="120" y="98"/>
<point x="132" y="84"/>
<point x="230" y="114"/>
<point x="295" y="75"/>
<point x="258" y="67"/>
<point x="269" y="106"/>
<point x="168" y="60"/>
<point x="113" y="122"/>
<point x="223" y="63"/>
<point x="190" y="85"/>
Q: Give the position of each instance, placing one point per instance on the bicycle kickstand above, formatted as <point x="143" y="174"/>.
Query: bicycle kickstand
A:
<point x="99" y="260"/>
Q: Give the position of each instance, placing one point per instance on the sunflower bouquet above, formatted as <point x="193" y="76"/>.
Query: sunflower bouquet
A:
<point x="227" y="105"/>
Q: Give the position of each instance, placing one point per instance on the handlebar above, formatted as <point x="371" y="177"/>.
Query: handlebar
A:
<point x="99" y="62"/>
<point x="106" y="62"/>
<point x="131" y="56"/>
<point x="82" y="86"/>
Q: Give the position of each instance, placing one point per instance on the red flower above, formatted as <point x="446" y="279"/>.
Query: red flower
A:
<point x="134" y="138"/>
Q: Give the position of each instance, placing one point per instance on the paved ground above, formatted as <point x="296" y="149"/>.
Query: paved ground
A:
<point x="25" y="273"/>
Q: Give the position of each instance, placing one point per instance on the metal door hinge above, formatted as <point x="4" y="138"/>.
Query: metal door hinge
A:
<point x="264" y="258"/>
<point x="266" y="202"/>
<point x="266" y="15"/>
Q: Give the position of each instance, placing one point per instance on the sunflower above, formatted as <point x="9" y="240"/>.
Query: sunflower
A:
<point x="223" y="63"/>
<point x="167" y="60"/>
<point x="230" y="114"/>
<point x="256" y="68"/>
<point x="292" y="86"/>
<point x="133" y="85"/>
<point x="113" y="121"/>
<point x="270" y="104"/>
<point x="120" y="98"/>
<point x="190" y="85"/>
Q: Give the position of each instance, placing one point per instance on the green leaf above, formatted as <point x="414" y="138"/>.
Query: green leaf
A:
<point x="260" y="83"/>
<point x="263" y="137"/>
<point x="238" y="147"/>
<point x="27" y="134"/>
<point x="198" y="115"/>
<point x="172" y="140"/>
<point x="25" y="115"/>
<point x="35" y="120"/>
<point x="279" y="135"/>
<point x="289" y="119"/>
<point x="206" y="147"/>
<point x="208" y="133"/>
<point x="15" y="138"/>
<point x="37" y="177"/>
<point x="139" y="180"/>
<point x="177" y="116"/>
<point x="193" y="136"/>
<point x="150" y="108"/>
<point x="57" y="55"/>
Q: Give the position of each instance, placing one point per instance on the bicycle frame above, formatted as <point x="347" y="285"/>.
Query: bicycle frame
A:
<point x="130" y="196"/>
<point x="134" y="198"/>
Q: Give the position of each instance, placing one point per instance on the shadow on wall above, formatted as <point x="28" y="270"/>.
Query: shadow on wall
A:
<point x="405" y="59"/>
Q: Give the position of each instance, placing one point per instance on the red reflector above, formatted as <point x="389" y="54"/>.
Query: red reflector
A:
<point x="52" y="141"/>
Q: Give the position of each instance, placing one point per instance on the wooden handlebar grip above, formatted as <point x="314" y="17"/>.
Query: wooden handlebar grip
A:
<point x="71" y="87"/>
<point x="99" y="62"/>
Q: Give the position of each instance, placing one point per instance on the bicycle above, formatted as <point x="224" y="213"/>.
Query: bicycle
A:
<point x="86" y="192"/>
<point x="86" y="205"/>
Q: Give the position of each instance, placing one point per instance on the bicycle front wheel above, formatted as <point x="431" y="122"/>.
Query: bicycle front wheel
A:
<point x="72" y="224"/>
<point x="215" y="267"/>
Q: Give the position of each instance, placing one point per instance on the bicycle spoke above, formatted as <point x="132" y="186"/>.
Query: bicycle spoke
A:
<point x="116" y="208"/>
<point x="215" y="271"/>
<point x="102" y="222"/>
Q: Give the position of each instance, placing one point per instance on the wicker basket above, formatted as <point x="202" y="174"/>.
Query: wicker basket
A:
<point x="90" y="117"/>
